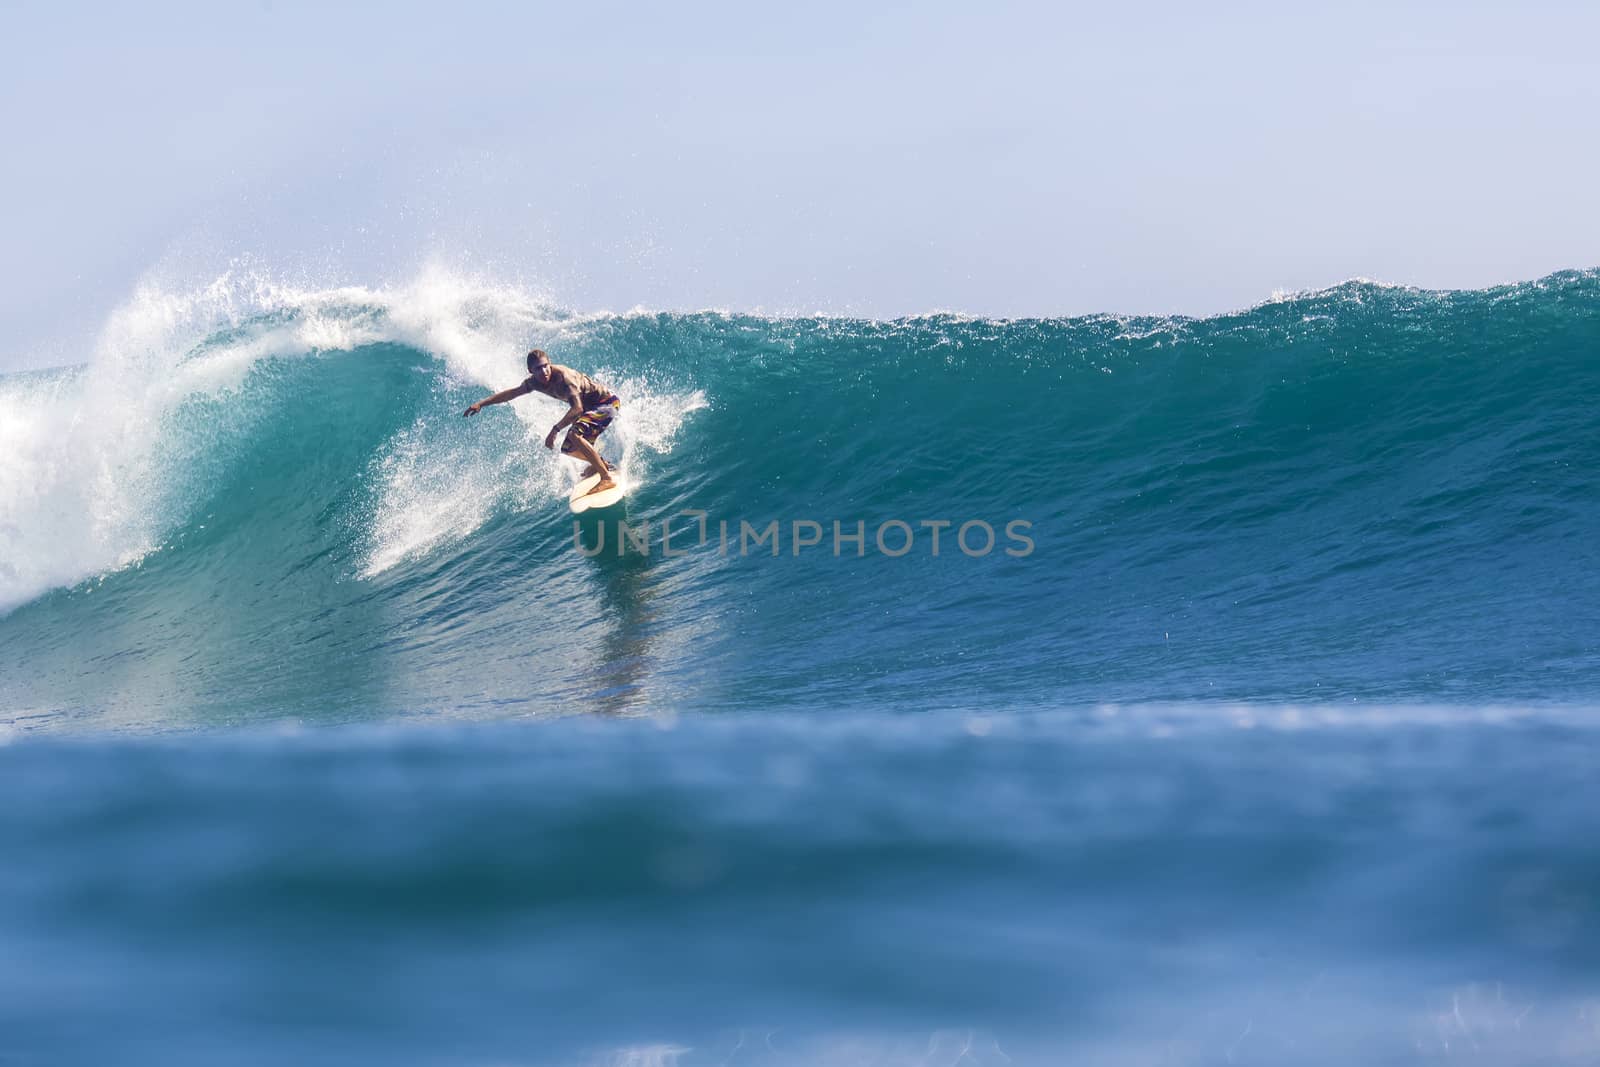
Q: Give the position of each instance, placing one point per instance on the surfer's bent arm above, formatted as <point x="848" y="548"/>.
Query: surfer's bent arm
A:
<point x="499" y="398"/>
<point x="571" y="416"/>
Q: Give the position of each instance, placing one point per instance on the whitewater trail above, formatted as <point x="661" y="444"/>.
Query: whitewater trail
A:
<point x="102" y="458"/>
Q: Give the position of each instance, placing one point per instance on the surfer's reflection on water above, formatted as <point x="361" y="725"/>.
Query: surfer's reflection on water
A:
<point x="624" y="657"/>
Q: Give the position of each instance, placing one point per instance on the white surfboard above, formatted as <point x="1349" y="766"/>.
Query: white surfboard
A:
<point x="580" y="499"/>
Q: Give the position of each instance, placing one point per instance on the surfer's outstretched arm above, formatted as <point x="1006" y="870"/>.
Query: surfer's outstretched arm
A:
<point x="499" y="398"/>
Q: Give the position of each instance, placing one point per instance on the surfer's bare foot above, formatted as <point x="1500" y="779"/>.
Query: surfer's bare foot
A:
<point x="590" y="469"/>
<point x="602" y="485"/>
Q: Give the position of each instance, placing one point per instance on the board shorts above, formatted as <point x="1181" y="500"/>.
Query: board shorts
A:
<point x="592" y="423"/>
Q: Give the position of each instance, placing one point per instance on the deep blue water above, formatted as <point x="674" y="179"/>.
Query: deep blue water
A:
<point x="1138" y="887"/>
<point x="1261" y="732"/>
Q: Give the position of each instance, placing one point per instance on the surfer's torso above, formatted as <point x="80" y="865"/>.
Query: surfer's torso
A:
<point x="564" y="382"/>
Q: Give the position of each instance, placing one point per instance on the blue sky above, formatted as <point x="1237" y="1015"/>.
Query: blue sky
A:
<point x="1004" y="159"/>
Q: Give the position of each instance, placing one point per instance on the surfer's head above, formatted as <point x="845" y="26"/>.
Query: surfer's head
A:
<point x="539" y="365"/>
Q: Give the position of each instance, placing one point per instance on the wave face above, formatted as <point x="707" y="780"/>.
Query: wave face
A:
<point x="257" y="502"/>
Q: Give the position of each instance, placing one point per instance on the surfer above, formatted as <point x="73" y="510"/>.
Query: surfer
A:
<point x="591" y="407"/>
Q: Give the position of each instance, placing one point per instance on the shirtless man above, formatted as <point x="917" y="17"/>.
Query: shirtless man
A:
<point x="591" y="408"/>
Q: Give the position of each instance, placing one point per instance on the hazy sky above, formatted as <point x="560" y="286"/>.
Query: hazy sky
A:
<point x="1005" y="159"/>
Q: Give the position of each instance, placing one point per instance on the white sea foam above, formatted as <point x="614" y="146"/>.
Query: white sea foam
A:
<point x="92" y="471"/>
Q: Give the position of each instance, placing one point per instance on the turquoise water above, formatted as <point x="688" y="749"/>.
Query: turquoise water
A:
<point x="1259" y="733"/>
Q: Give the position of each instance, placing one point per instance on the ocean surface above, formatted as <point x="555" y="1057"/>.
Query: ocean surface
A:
<point x="1111" y="690"/>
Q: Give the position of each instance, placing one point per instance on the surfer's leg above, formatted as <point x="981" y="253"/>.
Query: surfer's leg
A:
<point x="588" y="453"/>
<point x="577" y="444"/>
<point x="585" y="450"/>
<point x="580" y="442"/>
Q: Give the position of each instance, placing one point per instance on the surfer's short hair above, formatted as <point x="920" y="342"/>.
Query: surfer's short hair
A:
<point x="537" y="355"/>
